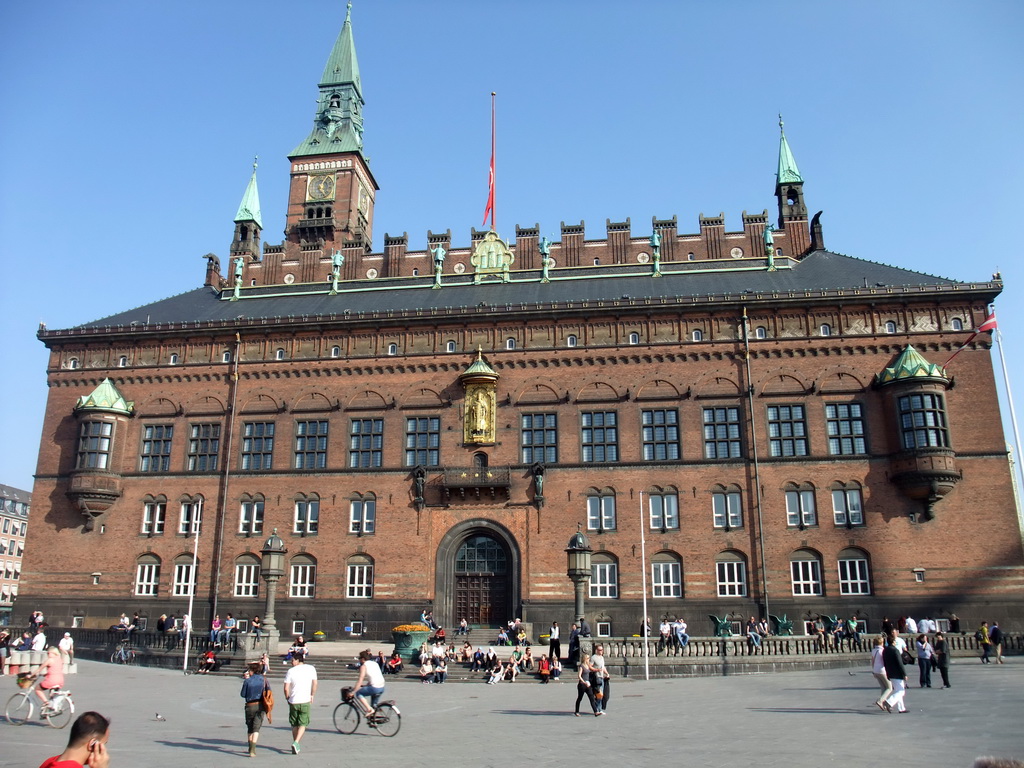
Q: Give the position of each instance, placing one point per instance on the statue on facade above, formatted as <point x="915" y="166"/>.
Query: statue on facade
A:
<point x="419" y="482"/>
<point x="538" y="481"/>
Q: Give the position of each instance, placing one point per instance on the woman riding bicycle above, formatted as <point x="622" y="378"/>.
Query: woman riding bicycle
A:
<point x="370" y="682"/>
<point x="52" y="672"/>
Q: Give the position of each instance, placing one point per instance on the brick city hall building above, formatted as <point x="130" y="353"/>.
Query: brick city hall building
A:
<point x="745" y="418"/>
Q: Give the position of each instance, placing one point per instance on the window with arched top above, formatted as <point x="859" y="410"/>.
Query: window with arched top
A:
<point x="571" y="340"/>
<point x="415" y="273"/>
<point x="805" y="572"/>
<point x="726" y="507"/>
<point x="186" y="573"/>
<point x="392" y="349"/>
<point x="890" y="327"/>
<point x="147" y="575"/>
<point x="801" y="510"/>
<point x="173" y="360"/>
<point x="697" y="334"/>
<point x="250" y="516"/>
<point x="247" y="576"/>
<point x="363" y="514"/>
<point x="957" y="324"/>
<point x="480" y="460"/>
<point x="634" y="338"/>
<point x="510" y="343"/>
<point x="122" y="361"/>
<point x="760" y="332"/>
<point x="600" y="510"/>
<point x="731" y="574"/>
<point x="302" y="577"/>
<point x="663" y="509"/>
<point x="854" y="572"/>
<point x="335" y="351"/>
<point x="225" y="356"/>
<point x="666" y="575"/>
<point x="847" y="504"/>
<point x="604" y="575"/>
<point x="360" y="577"/>
<point x="690" y="256"/>
<point x="72" y="363"/>
<point x="825" y="329"/>
<point x="335" y="101"/>
<point x="279" y="354"/>
<point x="449" y="347"/>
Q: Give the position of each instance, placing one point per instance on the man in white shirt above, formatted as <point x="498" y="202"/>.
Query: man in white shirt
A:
<point x="39" y="641"/>
<point x="67" y="648"/>
<point x="926" y="626"/>
<point x="911" y="626"/>
<point x="554" y="643"/>
<point x="299" y="689"/>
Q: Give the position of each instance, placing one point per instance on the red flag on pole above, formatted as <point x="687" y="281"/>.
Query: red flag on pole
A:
<point x="489" y="210"/>
<point x="986" y="327"/>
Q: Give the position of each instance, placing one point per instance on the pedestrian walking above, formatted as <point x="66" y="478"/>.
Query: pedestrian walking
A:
<point x="299" y="690"/>
<point x="942" y="658"/>
<point x="995" y="635"/>
<point x="878" y="670"/>
<point x="252" y="692"/>
<point x="583" y="686"/>
<point x="984" y="642"/>
<point x="600" y="678"/>
<point x="897" y="673"/>
<point x="554" y="643"/>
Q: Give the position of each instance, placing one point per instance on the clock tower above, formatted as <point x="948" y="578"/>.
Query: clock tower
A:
<point x="331" y="196"/>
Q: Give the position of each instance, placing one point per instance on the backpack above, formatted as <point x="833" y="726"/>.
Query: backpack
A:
<point x="978" y="636"/>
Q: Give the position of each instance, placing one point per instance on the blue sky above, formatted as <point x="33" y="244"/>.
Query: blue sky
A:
<point x="128" y="131"/>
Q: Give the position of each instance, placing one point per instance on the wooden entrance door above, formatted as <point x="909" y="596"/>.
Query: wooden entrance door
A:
<point x="481" y="582"/>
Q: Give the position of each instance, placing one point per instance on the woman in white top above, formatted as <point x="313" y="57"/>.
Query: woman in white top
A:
<point x="602" y="685"/>
<point x="878" y="670"/>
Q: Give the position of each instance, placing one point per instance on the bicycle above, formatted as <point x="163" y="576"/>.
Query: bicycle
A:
<point x="122" y="655"/>
<point x="57" y="712"/>
<point x="386" y="719"/>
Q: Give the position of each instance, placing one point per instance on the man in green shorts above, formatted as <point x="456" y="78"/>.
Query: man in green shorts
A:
<point x="299" y="690"/>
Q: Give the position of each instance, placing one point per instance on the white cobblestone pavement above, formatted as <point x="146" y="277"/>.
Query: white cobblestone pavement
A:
<point x="792" y="719"/>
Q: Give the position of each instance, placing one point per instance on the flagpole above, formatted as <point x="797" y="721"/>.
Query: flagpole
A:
<point x="493" y="95"/>
<point x="1009" y="400"/>
<point x="644" y="630"/>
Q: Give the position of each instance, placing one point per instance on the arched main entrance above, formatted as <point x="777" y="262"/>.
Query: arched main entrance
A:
<point x="478" y="566"/>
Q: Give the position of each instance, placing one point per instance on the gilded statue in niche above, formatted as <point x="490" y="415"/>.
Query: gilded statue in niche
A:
<point x="479" y="413"/>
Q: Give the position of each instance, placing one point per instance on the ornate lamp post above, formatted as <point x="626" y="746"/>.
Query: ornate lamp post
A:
<point x="272" y="569"/>
<point x="577" y="556"/>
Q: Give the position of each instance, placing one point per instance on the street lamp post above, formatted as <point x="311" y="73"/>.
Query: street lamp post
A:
<point x="577" y="556"/>
<point x="272" y="569"/>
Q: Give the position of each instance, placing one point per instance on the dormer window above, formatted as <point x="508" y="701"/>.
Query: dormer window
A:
<point x="392" y="349"/>
<point x="510" y="343"/>
<point x="450" y="346"/>
<point x="890" y="327"/>
<point x="760" y="332"/>
<point x="570" y="340"/>
<point x="174" y="358"/>
<point x="226" y="356"/>
<point x="279" y="354"/>
<point x="335" y="351"/>
<point x="825" y="329"/>
<point x="957" y="324"/>
<point x="634" y="338"/>
<point x="697" y="335"/>
<point x="72" y="363"/>
<point x="122" y="362"/>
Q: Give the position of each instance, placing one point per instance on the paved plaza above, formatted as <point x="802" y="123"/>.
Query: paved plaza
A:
<point x="792" y="719"/>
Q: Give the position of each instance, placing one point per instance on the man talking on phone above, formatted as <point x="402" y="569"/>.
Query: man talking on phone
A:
<point x="87" y="745"/>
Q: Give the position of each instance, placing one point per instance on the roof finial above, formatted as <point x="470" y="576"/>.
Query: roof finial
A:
<point x="781" y="124"/>
<point x="255" y="162"/>
<point x="479" y="352"/>
<point x="348" y="11"/>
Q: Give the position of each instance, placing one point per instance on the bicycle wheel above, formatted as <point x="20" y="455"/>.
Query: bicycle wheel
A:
<point x="63" y="709"/>
<point x="19" y="709"/>
<point x="129" y="656"/>
<point x="387" y="719"/>
<point x="346" y="718"/>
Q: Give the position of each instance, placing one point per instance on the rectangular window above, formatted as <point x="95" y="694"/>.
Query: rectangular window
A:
<point x="853" y="577"/>
<point x="800" y="508"/>
<point x="660" y="434"/>
<point x="806" y="575"/>
<point x="360" y="581"/>
<point x="601" y="513"/>
<point x="156" y="448"/>
<point x="923" y="421"/>
<point x="7" y="525"/>
<point x="366" y="443"/>
<point x="423" y="441"/>
<point x="310" y="445"/>
<point x="356" y="628"/>
<point x="539" y="437"/>
<point x="94" y="445"/>
<point x="247" y="580"/>
<point x="154" y="516"/>
<point x="732" y="578"/>
<point x="303" y="582"/>
<point x="258" y="445"/>
<point x="600" y="436"/>
<point x="363" y="516"/>
<point x="203" y="447"/>
<point x="728" y="510"/>
<point x="666" y="580"/>
<point x="147" y="579"/>
<point x="664" y="509"/>
<point x="604" y="580"/>
<point x="184" y="580"/>
<point x="250" y="520"/>
<point x="3" y="546"/>
<point x="846" y="507"/>
<point x="307" y="517"/>
<point x="722" y="433"/>
<point x="191" y="518"/>
<point x="845" y="426"/>
<point x="604" y="628"/>
<point x="787" y="430"/>
<point x="298" y="627"/>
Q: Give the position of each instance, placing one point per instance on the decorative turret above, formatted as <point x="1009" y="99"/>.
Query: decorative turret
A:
<point x="480" y="382"/>
<point x="95" y="483"/>
<point x="789" y="189"/>
<point x="248" y="224"/>
<point x="925" y="466"/>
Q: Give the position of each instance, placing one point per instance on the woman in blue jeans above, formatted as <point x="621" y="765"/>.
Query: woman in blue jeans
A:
<point x="924" y="660"/>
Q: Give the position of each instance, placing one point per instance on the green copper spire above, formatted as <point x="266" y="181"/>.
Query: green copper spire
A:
<point x="338" y="125"/>
<point x="788" y="172"/>
<point x="105" y="398"/>
<point x="249" y="208"/>
<point x="911" y="365"/>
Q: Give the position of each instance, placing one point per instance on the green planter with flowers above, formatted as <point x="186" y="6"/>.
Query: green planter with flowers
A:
<point x="319" y="636"/>
<point x="408" y="639"/>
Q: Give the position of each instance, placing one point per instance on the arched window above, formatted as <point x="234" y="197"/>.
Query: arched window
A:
<point x="360" y="577"/>
<point x="415" y="273"/>
<point x="570" y="340"/>
<point x="778" y="252"/>
<point x="225" y="356"/>
<point x="247" y="576"/>
<point x="154" y="515"/>
<point x="72" y="363"/>
<point x="480" y="460"/>
<point x="450" y="346"/>
<point x="663" y="507"/>
<point x="697" y="334"/>
<point x="363" y="514"/>
<point x="760" y="332"/>
<point x="600" y="510"/>
<point x="957" y="324"/>
<point x="335" y="101"/>
<point x="604" y="575"/>
<point x="801" y="510"/>
<point x="122" y="361"/>
<point x="890" y="327"/>
<point x="302" y="582"/>
<point x="854" y="574"/>
<point x="690" y="257"/>
<point x="731" y="574"/>
<point x="597" y="262"/>
<point x="666" y="575"/>
<point x="250" y="515"/>
<point x="510" y="343"/>
<point x="805" y="572"/>
<point x="392" y="349"/>
<point x="147" y="575"/>
<point x="185" y="575"/>
<point x="727" y="507"/>
<point x="634" y="338"/>
<point x="847" y="504"/>
<point x="825" y="329"/>
<point x="307" y="515"/>
<point x="174" y="358"/>
<point x="279" y="354"/>
<point x="335" y="351"/>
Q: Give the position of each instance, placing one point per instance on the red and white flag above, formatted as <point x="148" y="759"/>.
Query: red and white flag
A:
<point x="988" y="326"/>
<point x="489" y="209"/>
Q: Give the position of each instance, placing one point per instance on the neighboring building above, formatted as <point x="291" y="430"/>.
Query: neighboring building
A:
<point x="14" y="509"/>
<point x="427" y="428"/>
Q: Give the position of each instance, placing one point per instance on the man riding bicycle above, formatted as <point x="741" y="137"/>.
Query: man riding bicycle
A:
<point x="370" y="683"/>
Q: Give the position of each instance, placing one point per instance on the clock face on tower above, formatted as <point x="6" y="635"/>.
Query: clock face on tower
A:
<point x="321" y="187"/>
